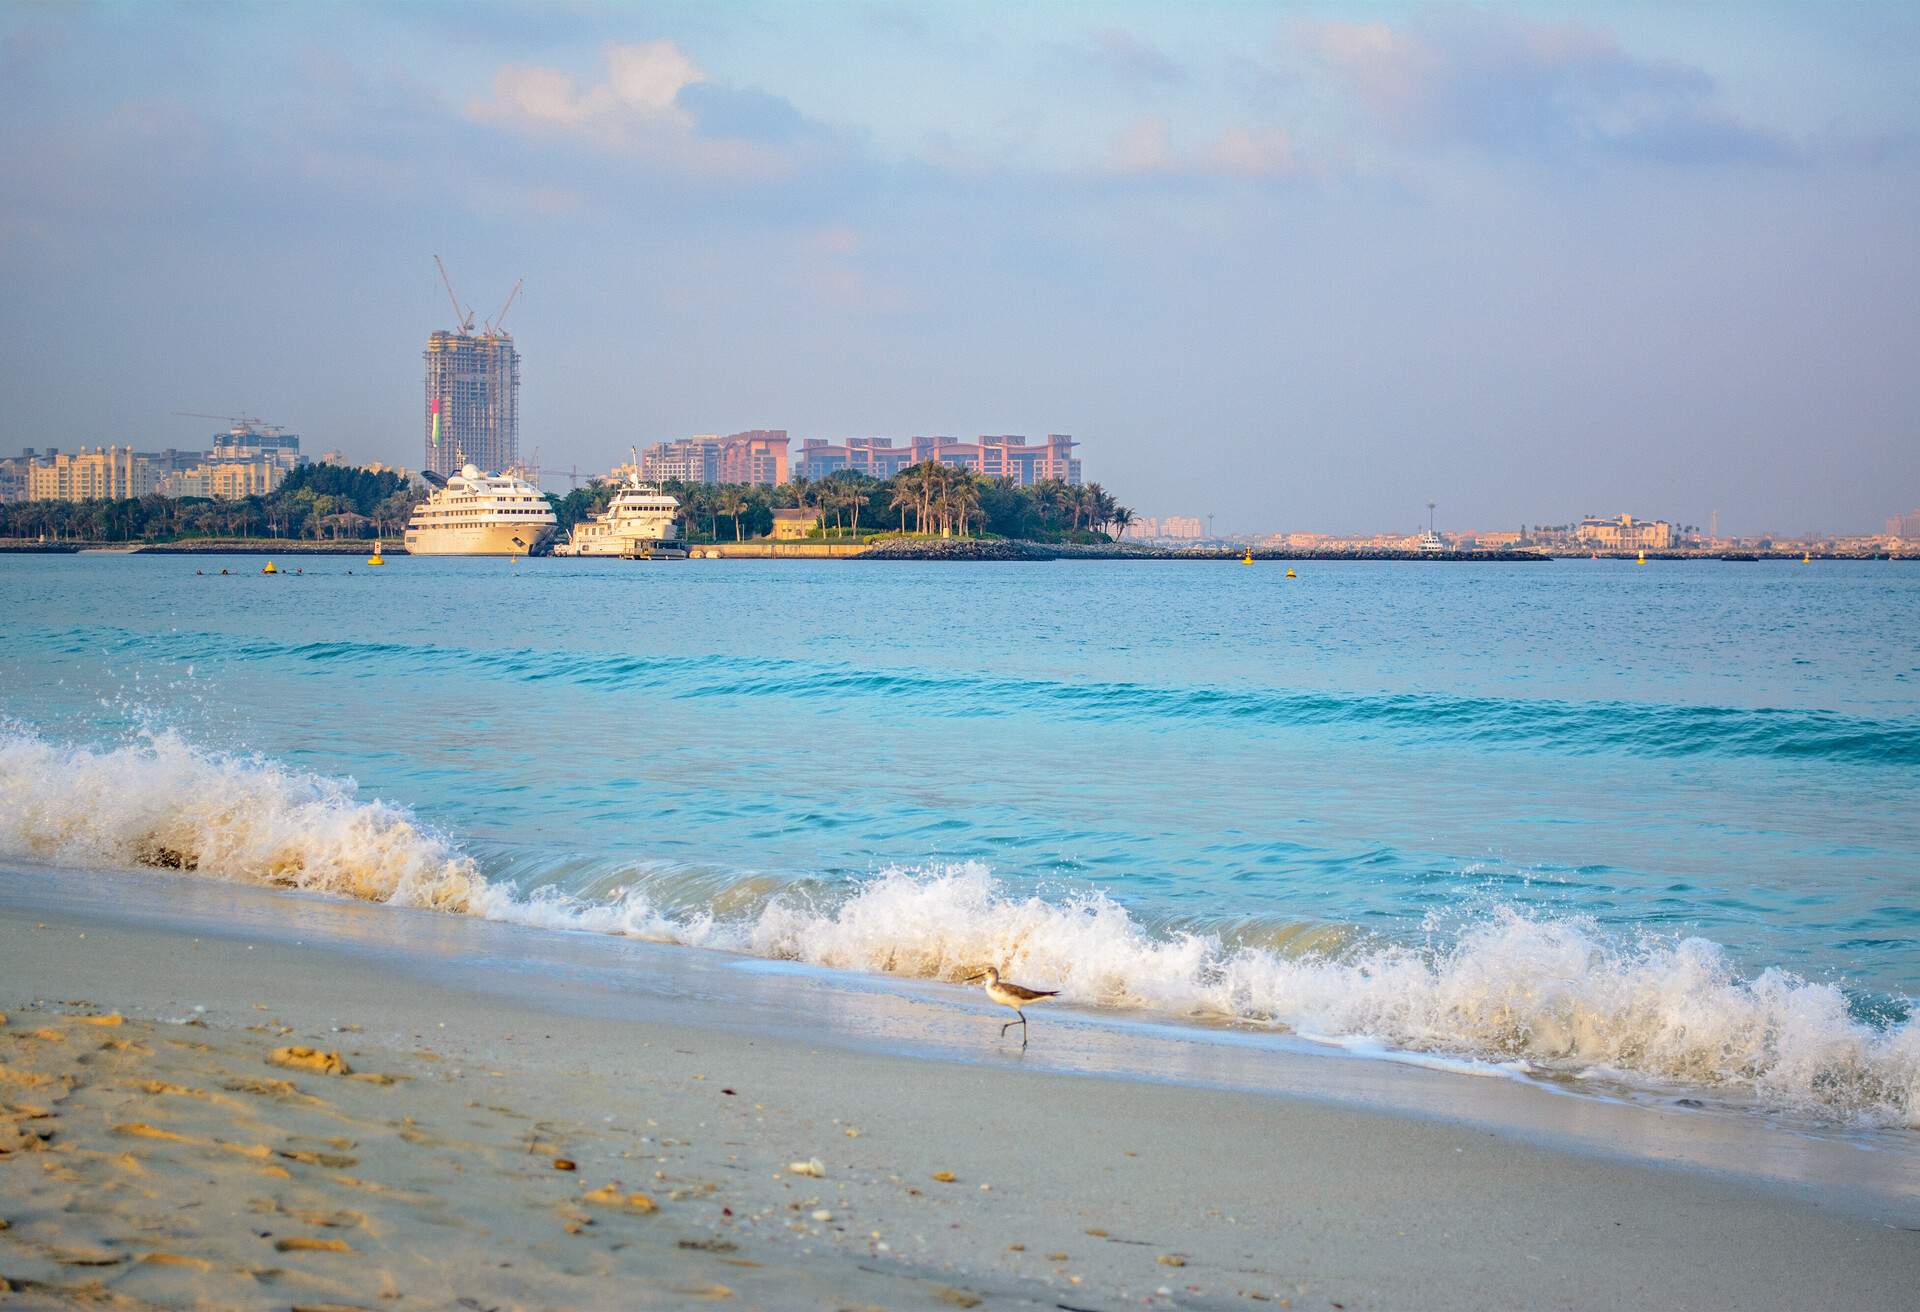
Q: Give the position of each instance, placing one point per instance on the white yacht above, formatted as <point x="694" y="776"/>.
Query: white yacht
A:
<point x="638" y="524"/>
<point x="476" y="514"/>
<point x="1432" y="544"/>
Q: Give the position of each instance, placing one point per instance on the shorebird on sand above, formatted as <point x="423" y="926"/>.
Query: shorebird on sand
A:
<point x="1009" y="994"/>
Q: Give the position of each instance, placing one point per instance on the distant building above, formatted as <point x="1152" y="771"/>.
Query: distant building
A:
<point x="1906" y="527"/>
<point x="1182" y="526"/>
<point x="758" y="456"/>
<point x="1626" y="534"/>
<point x="112" y="473"/>
<point x="1141" y="527"/>
<point x="13" y="472"/>
<point x="249" y="439"/>
<point x="472" y="402"/>
<point x="225" y="480"/>
<point x="877" y="457"/>
<point x="690" y="460"/>
<point x="1009" y="456"/>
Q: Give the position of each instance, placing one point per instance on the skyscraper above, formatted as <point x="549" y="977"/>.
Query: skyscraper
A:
<point x="472" y="402"/>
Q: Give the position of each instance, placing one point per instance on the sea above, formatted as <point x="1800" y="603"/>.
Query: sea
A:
<point x="1646" y="829"/>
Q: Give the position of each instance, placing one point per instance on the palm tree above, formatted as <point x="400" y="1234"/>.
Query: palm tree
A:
<point x="1122" y="520"/>
<point x="962" y="498"/>
<point x="731" y="501"/>
<point x="845" y="490"/>
<point x="906" y="496"/>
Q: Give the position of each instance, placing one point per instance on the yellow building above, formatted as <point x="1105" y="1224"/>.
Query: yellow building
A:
<point x="1627" y="534"/>
<point x="794" y="524"/>
<point x="111" y="473"/>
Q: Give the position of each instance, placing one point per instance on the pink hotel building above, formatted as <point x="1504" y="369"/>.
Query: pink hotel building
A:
<point x="1008" y="456"/>
<point x="760" y="456"/>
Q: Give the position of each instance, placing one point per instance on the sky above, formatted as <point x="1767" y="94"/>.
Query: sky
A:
<point x="1298" y="266"/>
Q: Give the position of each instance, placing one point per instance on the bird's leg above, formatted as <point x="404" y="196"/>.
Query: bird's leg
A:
<point x="1023" y="1028"/>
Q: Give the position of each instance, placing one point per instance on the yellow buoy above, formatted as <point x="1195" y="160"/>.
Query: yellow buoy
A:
<point x="1290" y="573"/>
<point x="376" y="558"/>
<point x="1642" y="559"/>
<point x="1806" y="558"/>
<point x="1248" y="558"/>
<point x="270" y="569"/>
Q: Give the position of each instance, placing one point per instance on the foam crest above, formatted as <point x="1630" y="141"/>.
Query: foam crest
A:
<point x="1558" y="995"/>
<point x="1512" y="989"/>
<point x="160" y="802"/>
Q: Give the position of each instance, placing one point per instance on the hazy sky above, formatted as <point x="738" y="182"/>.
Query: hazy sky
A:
<point x="1300" y="265"/>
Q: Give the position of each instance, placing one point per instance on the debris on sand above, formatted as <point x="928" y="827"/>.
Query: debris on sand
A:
<point x="311" y="1059"/>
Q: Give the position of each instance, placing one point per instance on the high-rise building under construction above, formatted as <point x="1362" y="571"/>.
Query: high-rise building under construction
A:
<point x="473" y="401"/>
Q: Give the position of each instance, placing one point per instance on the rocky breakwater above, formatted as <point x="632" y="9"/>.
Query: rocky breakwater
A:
<point x="957" y="549"/>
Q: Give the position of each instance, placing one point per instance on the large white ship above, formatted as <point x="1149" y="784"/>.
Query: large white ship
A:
<point x="638" y="524"/>
<point x="476" y="514"/>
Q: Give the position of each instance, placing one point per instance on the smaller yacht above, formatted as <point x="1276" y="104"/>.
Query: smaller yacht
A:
<point x="640" y="523"/>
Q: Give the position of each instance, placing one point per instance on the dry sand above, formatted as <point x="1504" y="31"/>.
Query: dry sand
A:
<point x="416" y="1154"/>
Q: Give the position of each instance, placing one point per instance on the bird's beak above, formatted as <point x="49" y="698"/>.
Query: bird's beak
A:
<point x="975" y="979"/>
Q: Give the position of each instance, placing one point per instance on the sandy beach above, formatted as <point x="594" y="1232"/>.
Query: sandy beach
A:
<point x="221" y="1096"/>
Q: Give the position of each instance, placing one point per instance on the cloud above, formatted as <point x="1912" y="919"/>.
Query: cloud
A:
<point x="643" y="83"/>
<point x="1147" y="147"/>
<point x="1548" y="88"/>
<point x="653" y="101"/>
<point x="1127" y="59"/>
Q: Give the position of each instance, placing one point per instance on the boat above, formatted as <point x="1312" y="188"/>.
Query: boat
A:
<point x="476" y="514"/>
<point x="638" y="524"/>
<point x="1431" y="544"/>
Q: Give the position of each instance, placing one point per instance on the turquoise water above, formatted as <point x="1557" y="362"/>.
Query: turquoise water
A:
<point x="1661" y="819"/>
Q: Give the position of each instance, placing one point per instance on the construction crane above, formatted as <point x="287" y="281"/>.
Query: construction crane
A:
<point x="247" y="422"/>
<point x="493" y="325"/>
<point x="463" y="317"/>
<point x="572" y="475"/>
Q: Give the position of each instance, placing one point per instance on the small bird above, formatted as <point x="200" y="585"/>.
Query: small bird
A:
<point x="1008" y="994"/>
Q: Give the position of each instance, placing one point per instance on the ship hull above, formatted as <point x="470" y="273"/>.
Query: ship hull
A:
<point x="477" y="540"/>
<point x="605" y="548"/>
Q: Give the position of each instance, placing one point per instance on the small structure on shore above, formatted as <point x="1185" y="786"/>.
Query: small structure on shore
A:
<point x="793" y="523"/>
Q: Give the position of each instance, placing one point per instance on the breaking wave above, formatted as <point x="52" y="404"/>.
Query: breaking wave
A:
<point x="1559" y="995"/>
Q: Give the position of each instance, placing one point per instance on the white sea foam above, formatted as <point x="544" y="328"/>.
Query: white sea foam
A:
<point x="160" y="802"/>
<point x="1559" y="995"/>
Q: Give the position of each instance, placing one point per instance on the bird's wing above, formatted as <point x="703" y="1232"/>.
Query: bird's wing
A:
<point x="1026" y="994"/>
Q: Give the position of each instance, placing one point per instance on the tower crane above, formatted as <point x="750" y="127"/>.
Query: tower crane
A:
<point x="247" y="422"/>
<point x="463" y="317"/>
<point x="493" y="324"/>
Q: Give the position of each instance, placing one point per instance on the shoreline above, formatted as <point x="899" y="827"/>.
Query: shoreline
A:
<point x="1372" y="1184"/>
<point x="943" y="551"/>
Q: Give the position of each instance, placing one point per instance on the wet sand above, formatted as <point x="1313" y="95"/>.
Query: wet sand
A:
<point x="229" y="1097"/>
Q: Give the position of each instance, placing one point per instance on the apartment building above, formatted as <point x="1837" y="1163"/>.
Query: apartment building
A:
<point x="110" y="473"/>
<point x="757" y="456"/>
<point x="1626" y="534"/>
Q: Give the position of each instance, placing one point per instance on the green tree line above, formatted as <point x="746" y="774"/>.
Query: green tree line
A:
<point x="315" y="501"/>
